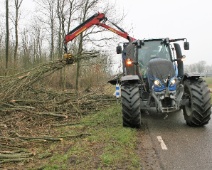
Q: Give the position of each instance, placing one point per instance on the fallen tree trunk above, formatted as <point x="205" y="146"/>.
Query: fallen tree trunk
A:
<point x="15" y="155"/>
<point x="50" y="138"/>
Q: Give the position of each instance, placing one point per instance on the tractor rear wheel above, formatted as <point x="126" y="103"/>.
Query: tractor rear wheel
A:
<point x="131" y="105"/>
<point x="197" y="109"/>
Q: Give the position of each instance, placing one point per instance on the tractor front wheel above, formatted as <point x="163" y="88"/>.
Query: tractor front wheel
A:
<point x="131" y="105"/>
<point x="197" y="109"/>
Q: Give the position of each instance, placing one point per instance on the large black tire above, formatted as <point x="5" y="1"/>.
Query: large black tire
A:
<point x="197" y="109"/>
<point x="131" y="106"/>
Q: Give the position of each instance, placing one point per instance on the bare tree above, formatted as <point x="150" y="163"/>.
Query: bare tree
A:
<point x="52" y="13"/>
<point x="47" y="16"/>
<point x="89" y="36"/>
<point x="1" y="42"/>
<point x="86" y="8"/>
<point x="7" y="33"/>
<point x="37" y="43"/>
<point x="73" y="7"/>
<point x="26" y="49"/>
<point x="65" y="13"/>
<point x="61" y="19"/>
<point x="65" y="9"/>
<point x="17" y="7"/>
<point x="200" y="66"/>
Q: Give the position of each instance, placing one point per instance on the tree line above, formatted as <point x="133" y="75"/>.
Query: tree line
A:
<point x="199" y="67"/>
<point x="41" y="37"/>
<point x="34" y="36"/>
<point x="28" y="38"/>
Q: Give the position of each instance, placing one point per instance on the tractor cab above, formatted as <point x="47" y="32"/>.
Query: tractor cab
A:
<point x="136" y="55"/>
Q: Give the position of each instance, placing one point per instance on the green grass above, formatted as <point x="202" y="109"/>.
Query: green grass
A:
<point x="209" y="81"/>
<point x="109" y="146"/>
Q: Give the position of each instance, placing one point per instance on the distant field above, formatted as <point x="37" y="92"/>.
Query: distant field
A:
<point x="209" y="81"/>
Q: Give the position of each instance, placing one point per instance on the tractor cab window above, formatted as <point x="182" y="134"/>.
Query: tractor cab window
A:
<point x="151" y="50"/>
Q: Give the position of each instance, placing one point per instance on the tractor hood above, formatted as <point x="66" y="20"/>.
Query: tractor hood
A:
<point x="163" y="71"/>
<point x="160" y="68"/>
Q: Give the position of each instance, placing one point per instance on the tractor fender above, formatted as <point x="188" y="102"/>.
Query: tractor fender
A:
<point x="130" y="78"/>
<point x="191" y="76"/>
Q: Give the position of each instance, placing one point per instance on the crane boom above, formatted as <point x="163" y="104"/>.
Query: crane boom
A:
<point x="98" y="19"/>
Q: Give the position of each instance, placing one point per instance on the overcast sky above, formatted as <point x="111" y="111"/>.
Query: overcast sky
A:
<point x="191" y="19"/>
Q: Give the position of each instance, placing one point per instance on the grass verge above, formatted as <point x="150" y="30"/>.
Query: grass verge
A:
<point x="209" y="82"/>
<point x="107" y="144"/>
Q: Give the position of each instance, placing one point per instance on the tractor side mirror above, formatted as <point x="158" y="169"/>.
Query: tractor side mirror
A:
<point x="186" y="45"/>
<point x="118" y="49"/>
<point x="183" y="58"/>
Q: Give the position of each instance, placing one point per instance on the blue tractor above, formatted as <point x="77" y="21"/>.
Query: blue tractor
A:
<point x="153" y="76"/>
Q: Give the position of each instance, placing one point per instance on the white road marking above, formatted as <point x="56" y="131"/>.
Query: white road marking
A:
<point x="162" y="144"/>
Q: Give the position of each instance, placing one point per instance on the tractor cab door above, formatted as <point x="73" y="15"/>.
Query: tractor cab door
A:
<point x="129" y="53"/>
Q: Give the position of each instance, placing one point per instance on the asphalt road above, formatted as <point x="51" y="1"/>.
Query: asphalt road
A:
<point x="174" y="145"/>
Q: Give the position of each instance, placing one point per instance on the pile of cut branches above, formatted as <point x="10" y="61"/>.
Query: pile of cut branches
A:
<point x="28" y="112"/>
<point x="13" y="86"/>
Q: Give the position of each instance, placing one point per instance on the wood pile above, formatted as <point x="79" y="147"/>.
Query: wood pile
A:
<point x="28" y="113"/>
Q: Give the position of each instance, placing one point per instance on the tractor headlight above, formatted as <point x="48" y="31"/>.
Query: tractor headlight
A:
<point x="158" y="86"/>
<point x="157" y="83"/>
<point x="172" y="82"/>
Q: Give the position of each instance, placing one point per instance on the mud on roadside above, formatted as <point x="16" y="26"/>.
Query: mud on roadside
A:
<point x="146" y="150"/>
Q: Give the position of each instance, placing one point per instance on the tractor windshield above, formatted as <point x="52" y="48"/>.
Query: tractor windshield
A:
<point x="152" y="49"/>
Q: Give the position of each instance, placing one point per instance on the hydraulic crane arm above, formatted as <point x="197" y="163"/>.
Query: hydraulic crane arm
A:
<point x="98" y="19"/>
<point x="120" y="33"/>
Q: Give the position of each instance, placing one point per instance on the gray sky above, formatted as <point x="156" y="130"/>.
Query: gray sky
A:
<point x="191" y="19"/>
